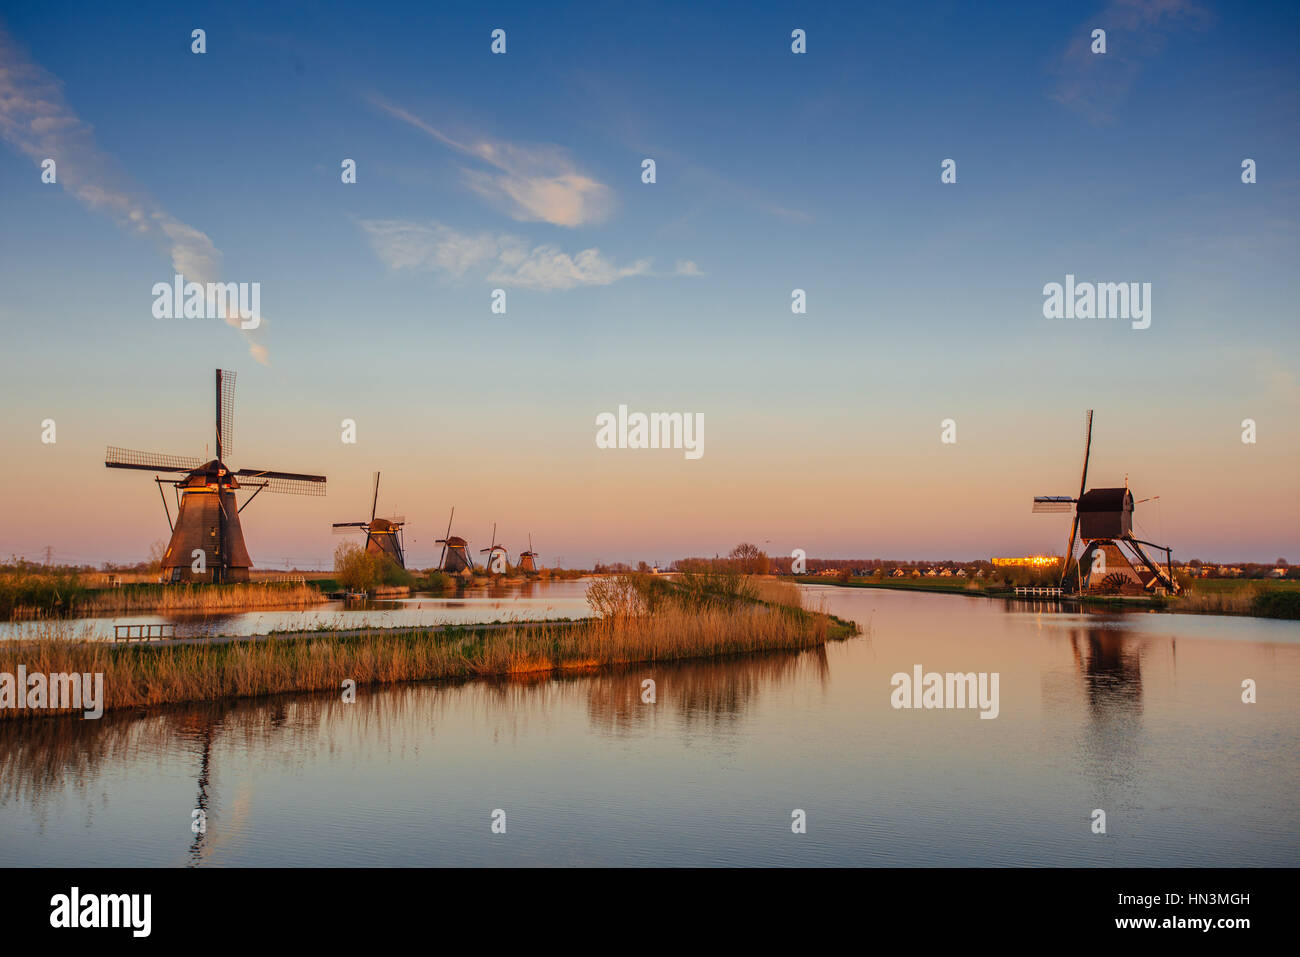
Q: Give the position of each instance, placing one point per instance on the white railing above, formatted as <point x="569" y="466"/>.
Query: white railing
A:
<point x="1046" y="591"/>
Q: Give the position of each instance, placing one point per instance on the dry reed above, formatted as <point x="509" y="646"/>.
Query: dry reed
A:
<point x="143" y="676"/>
<point x="205" y="598"/>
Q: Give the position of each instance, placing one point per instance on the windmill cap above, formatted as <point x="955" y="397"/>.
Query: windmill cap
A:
<point x="1106" y="500"/>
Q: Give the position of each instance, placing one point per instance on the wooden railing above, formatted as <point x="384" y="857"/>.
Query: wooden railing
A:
<point x="1045" y="591"/>
<point x="143" y="632"/>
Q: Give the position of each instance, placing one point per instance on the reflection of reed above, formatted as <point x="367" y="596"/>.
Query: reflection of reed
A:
<point x="40" y="759"/>
<point x="711" y="693"/>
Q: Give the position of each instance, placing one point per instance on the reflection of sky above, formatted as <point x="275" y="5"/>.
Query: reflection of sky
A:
<point x="1147" y="725"/>
<point x="774" y="172"/>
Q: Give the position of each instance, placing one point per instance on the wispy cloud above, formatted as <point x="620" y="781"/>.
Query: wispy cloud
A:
<point x="536" y="183"/>
<point x="499" y="258"/>
<point x="1097" y="85"/>
<point x="36" y="119"/>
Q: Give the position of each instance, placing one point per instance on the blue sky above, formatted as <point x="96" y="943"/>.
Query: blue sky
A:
<point x="775" y="172"/>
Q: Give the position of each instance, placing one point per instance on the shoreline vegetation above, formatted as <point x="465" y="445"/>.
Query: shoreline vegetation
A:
<point x="1257" y="598"/>
<point x="641" y="620"/>
<point x="34" y="592"/>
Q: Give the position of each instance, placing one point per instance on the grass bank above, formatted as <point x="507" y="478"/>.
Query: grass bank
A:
<point x="680" y="627"/>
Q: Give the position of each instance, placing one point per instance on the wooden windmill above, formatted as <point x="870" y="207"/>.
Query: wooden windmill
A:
<point x="493" y="549"/>
<point x="383" y="535"/>
<point x="455" y="557"/>
<point x="528" y="559"/>
<point x="207" y="541"/>
<point x="1113" y="561"/>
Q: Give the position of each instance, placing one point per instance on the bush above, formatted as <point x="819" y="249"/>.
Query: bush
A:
<point x="359" y="570"/>
<point x="1276" y="604"/>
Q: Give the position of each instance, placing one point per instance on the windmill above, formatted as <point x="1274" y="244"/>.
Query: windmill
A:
<point x="207" y="542"/>
<point x="1103" y="519"/>
<point x="383" y="535"/>
<point x="492" y="551"/>
<point x="528" y="559"/>
<point x="455" y="555"/>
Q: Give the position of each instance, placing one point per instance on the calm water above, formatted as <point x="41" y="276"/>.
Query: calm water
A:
<point x="531" y="601"/>
<point x="1139" y="715"/>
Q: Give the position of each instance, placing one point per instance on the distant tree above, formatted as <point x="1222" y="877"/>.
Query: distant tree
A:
<point x="156" y="552"/>
<point x="750" y="559"/>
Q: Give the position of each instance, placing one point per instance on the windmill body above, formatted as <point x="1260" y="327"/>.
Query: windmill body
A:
<point x="455" y="558"/>
<point x="208" y="521"/>
<point x="493" y="551"/>
<point x="1113" y="560"/>
<point x="528" y="559"/>
<point x="207" y="541"/>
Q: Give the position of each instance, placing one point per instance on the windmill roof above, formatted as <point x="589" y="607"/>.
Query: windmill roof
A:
<point x="1106" y="500"/>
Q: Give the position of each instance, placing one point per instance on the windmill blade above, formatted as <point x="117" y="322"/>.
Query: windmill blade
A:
<point x="345" y="528"/>
<point x="295" y="486"/>
<point x="285" y="483"/>
<point x="1052" y="503"/>
<point x="225" y="413"/>
<point x="374" y="502"/>
<point x="443" y="540"/>
<point x="1074" y="526"/>
<point x="115" y="458"/>
<point x="275" y="474"/>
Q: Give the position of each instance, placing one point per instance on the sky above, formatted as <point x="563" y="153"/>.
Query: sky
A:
<point x="774" y="171"/>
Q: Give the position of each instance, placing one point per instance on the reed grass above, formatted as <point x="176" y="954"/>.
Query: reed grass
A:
<point x="141" y="676"/>
<point x="201" y="598"/>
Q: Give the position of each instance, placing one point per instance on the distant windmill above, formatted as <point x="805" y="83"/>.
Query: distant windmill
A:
<point x="455" y="555"/>
<point x="383" y="535"/>
<point x="207" y="542"/>
<point x="528" y="559"/>
<point x="1103" y="518"/>
<point x="493" y="549"/>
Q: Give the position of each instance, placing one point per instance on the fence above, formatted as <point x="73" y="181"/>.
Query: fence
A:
<point x="1045" y="591"/>
<point x="143" y="632"/>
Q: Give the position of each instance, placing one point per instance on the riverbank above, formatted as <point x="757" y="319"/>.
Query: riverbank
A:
<point x="1255" y="598"/>
<point x="143" y="675"/>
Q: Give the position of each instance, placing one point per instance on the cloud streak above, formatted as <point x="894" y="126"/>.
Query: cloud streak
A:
<point x="537" y="183"/>
<point x="36" y="119"/>
<point x="1097" y="84"/>
<point x="499" y="258"/>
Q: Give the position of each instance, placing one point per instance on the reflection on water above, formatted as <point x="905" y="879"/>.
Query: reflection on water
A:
<point x="520" y="601"/>
<point x="1125" y="714"/>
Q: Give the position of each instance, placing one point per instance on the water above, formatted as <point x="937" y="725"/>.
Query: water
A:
<point x="526" y="601"/>
<point x="1138" y="715"/>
